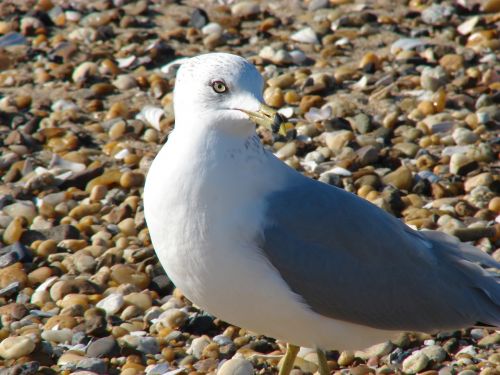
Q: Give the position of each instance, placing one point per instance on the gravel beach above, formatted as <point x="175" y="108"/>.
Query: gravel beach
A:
<point x="397" y="102"/>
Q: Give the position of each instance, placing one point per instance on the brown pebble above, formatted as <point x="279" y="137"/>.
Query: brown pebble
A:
<point x="131" y="179"/>
<point x="309" y="101"/>
<point x="494" y="205"/>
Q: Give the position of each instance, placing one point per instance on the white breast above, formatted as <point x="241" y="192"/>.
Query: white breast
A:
<point x="204" y="212"/>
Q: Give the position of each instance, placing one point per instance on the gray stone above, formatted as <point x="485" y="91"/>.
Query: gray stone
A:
<point x="437" y="14"/>
<point x="435" y="353"/>
<point x="96" y="365"/>
<point x="105" y="347"/>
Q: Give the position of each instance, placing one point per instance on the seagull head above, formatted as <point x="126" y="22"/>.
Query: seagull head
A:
<point x="222" y="91"/>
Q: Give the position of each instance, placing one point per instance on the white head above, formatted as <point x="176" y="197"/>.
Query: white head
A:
<point x="223" y="91"/>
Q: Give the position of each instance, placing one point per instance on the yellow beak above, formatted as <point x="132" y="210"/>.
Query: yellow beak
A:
<point x="270" y="119"/>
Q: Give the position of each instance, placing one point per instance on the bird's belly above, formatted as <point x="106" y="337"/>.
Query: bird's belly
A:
<point x="242" y="288"/>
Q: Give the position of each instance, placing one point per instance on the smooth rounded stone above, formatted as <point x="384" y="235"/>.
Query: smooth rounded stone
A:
<point x="14" y="231"/>
<point x="84" y="71"/>
<point x="198" y="345"/>
<point x="112" y="303"/>
<point x="16" y="347"/>
<point x="282" y="81"/>
<point x="407" y="148"/>
<point x="236" y="366"/>
<point x="14" y="273"/>
<point x="433" y="78"/>
<point x="490" y="340"/>
<point x="367" y="155"/>
<point x="245" y="9"/>
<point x="273" y="96"/>
<point x="173" y="318"/>
<point x="378" y="350"/>
<point x="57" y="335"/>
<point x="70" y="358"/>
<point x="401" y="178"/>
<point x="131" y="179"/>
<point x="452" y="62"/>
<point x="123" y="274"/>
<point x="337" y="140"/>
<point x="361" y="123"/>
<point x="461" y="164"/>
<point x="309" y="101"/>
<point x="464" y="136"/>
<point x="482" y="179"/>
<point x="287" y="151"/>
<point x="306" y="35"/>
<point x="494" y="205"/>
<point x="141" y="300"/>
<point x="437" y="14"/>
<point x="24" y="209"/>
<point x="125" y="82"/>
<point x="84" y="263"/>
<point x="105" y="347"/>
<point x="346" y="358"/>
<point x="94" y="365"/>
<point x="127" y="227"/>
<point x="415" y="363"/>
<point x="146" y="345"/>
<point x="435" y="353"/>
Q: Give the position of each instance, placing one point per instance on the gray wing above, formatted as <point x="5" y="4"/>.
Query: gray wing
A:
<point x="352" y="261"/>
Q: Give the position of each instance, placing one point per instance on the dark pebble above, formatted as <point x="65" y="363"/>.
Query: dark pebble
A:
<point x="105" y="347"/>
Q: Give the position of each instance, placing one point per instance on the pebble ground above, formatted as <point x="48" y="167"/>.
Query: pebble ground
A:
<point x="397" y="102"/>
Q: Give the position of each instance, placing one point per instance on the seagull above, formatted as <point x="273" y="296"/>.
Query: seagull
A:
<point x="259" y="245"/>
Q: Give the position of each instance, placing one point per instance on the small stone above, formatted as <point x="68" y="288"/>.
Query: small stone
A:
<point x="13" y="273"/>
<point x="433" y="78"/>
<point x="407" y="148"/>
<point x="245" y="9"/>
<point x="141" y="300"/>
<point x="24" y="209"/>
<point x="105" y="347"/>
<point x="401" y="178"/>
<point x="305" y="35"/>
<point x="482" y="179"/>
<point x="14" y="231"/>
<point x="337" y="140"/>
<point x="494" y="205"/>
<point x="131" y="179"/>
<point x="127" y="227"/>
<point x="361" y="123"/>
<point x="435" y="353"/>
<point x="464" y="136"/>
<point x="437" y="14"/>
<point x="273" y="96"/>
<point x="415" y="363"/>
<point x="490" y="340"/>
<point x="346" y="358"/>
<point x="287" y="151"/>
<point x="452" y="62"/>
<point x="58" y="335"/>
<point x="123" y="274"/>
<point x="112" y="303"/>
<point x="309" y="101"/>
<point x="461" y="164"/>
<point x="16" y="347"/>
<point x="197" y="346"/>
<point x="94" y="365"/>
<point x="236" y="366"/>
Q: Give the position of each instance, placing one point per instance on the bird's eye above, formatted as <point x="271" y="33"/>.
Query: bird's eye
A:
<point x="219" y="87"/>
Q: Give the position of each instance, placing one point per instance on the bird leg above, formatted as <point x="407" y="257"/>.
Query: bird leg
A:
<point x="324" y="369"/>
<point x="289" y="359"/>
